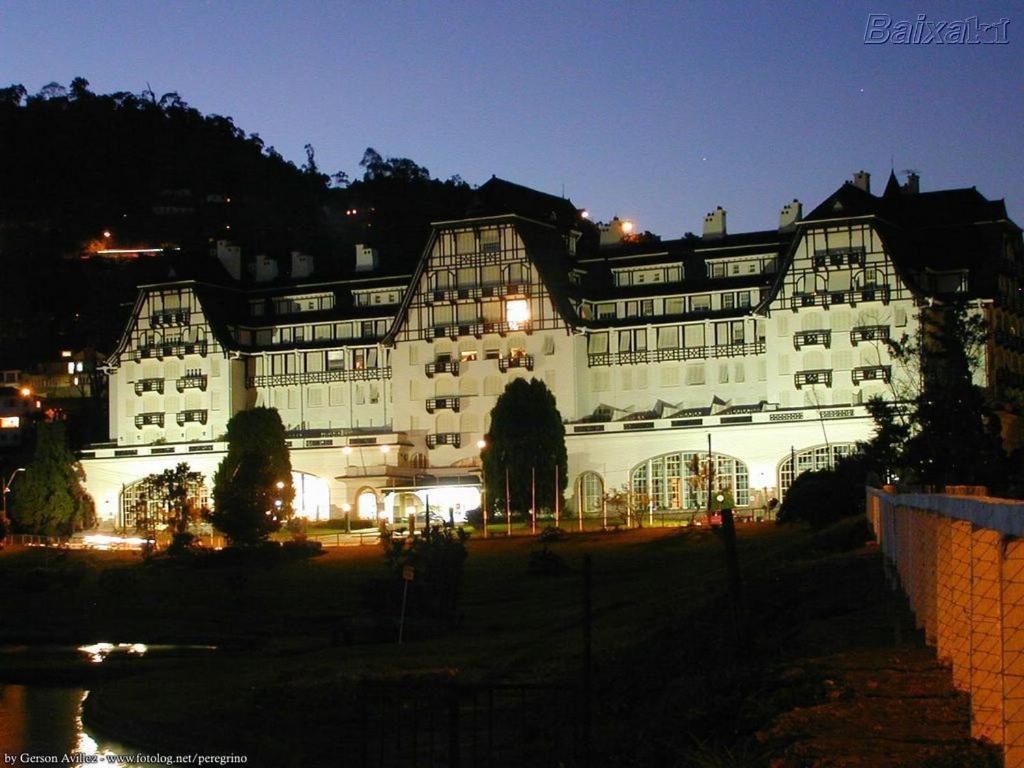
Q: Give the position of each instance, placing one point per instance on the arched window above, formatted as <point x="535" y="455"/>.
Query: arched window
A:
<point x="809" y="284"/>
<point x="366" y="504"/>
<point x="868" y="278"/>
<point x="808" y="459"/>
<point x="680" y="480"/>
<point x="143" y="506"/>
<point x="590" y="493"/>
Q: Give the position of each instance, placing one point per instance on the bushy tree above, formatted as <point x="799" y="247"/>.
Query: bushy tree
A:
<point x="177" y="492"/>
<point x="437" y="558"/>
<point x="48" y="498"/>
<point x="822" y="497"/>
<point x="957" y="439"/>
<point x="527" y="439"/>
<point x="947" y="434"/>
<point x="248" y="504"/>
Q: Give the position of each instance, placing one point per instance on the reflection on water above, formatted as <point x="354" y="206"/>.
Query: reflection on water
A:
<point x="98" y="652"/>
<point x="41" y="720"/>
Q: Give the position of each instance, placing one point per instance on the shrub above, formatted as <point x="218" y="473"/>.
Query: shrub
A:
<point x="475" y="517"/>
<point x="544" y="562"/>
<point x="824" y="496"/>
<point x="301" y="549"/>
<point x="181" y="544"/>
<point x="437" y="558"/>
<point x="552" y="533"/>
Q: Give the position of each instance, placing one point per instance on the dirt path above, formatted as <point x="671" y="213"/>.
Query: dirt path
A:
<point x="887" y="701"/>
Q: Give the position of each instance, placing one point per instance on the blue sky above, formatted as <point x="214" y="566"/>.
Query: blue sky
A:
<point x="655" y="111"/>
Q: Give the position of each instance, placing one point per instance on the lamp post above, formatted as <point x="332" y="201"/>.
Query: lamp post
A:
<point x="481" y="444"/>
<point x="6" y="490"/>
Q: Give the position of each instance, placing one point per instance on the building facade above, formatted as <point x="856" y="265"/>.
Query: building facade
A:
<point x="760" y="347"/>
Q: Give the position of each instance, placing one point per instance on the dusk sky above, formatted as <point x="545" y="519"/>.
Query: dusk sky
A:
<point x="653" y="111"/>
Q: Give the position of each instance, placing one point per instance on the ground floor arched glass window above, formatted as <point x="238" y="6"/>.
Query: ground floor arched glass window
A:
<point x="590" y="494"/>
<point x="145" y="506"/>
<point x="680" y="480"/>
<point x="817" y="457"/>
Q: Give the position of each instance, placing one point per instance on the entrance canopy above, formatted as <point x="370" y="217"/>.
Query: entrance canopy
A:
<point x="446" y="499"/>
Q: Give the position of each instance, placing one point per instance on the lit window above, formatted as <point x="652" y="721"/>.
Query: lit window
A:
<point x="517" y="313"/>
<point x="10" y="422"/>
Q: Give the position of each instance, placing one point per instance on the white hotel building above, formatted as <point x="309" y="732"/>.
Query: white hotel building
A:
<point x="768" y="342"/>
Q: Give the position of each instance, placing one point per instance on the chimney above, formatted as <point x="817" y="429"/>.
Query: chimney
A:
<point x="265" y="268"/>
<point x="714" y="224"/>
<point x="366" y="258"/>
<point x="616" y="231"/>
<point x="231" y="257"/>
<point x="913" y="185"/>
<point x="302" y="265"/>
<point x="862" y="180"/>
<point x="790" y="214"/>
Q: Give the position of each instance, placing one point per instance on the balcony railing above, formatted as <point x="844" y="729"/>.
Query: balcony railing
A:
<point x="675" y="354"/>
<point x="871" y="373"/>
<point x="442" y="366"/>
<point x="805" y="378"/>
<point x="819" y="338"/>
<point x="318" y="377"/>
<point x="170" y="317"/>
<point x="174" y="349"/>
<point x="193" y="416"/>
<point x="869" y="333"/>
<point x="192" y="381"/>
<point x="149" y="385"/>
<point x="828" y="299"/>
<point x="477" y="329"/>
<point x="519" y="361"/>
<point x="442" y="404"/>
<point x="149" y="420"/>
<point x="453" y="439"/>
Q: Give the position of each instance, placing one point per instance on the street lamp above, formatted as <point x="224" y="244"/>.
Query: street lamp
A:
<point x="6" y="490"/>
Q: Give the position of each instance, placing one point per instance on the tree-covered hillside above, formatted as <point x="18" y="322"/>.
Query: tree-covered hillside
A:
<point x="80" y="172"/>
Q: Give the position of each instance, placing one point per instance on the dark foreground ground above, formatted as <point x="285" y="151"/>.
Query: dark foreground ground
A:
<point x="820" y="667"/>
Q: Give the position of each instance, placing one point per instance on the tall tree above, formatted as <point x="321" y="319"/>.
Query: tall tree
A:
<point x="957" y="433"/>
<point x="526" y="440"/>
<point x="49" y="499"/>
<point x="252" y="489"/>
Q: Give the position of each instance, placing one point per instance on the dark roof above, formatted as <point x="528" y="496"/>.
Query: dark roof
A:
<point x="743" y="242"/>
<point x="848" y="201"/>
<point x="497" y="197"/>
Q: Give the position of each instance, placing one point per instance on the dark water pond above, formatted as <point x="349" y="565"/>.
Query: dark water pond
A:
<point x="46" y="721"/>
<point x="41" y="724"/>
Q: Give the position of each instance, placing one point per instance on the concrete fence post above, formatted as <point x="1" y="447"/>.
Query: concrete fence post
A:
<point x="944" y="605"/>
<point x="960" y="597"/>
<point x="1013" y="653"/>
<point x="986" y="635"/>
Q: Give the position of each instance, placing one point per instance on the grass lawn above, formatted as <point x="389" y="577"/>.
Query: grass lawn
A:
<point x="514" y="625"/>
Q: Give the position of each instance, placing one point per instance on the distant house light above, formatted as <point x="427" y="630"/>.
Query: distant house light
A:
<point x="65" y="353"/>
<point x="136" y="250"/>
<point x="10" y="422"/>
<point x="627" y="227"/>
<point x="71" y="367"/>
